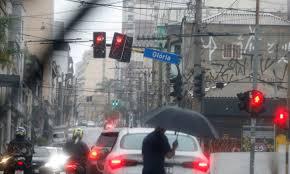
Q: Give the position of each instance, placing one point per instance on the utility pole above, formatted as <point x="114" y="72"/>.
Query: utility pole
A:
<point x="288" y="103"/>
<point x="255" y="74"/>
<point x="197" y="49"/>
<point x="168" y="68"/>
<point x="109" y="93"/>
<point x="160" y="84"/>
<point x="75" y="102"/>
<point x="145" y="92"/>
<point x="140" y="103"/>
<point x="9" y="118"/>
<point x="60" y="101"/>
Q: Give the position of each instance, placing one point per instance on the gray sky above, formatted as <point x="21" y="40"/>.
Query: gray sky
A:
<point x="85" y="29"/>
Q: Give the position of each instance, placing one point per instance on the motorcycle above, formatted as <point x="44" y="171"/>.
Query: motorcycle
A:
<point x="9" y="163"/>
<point x="14" y="163"/>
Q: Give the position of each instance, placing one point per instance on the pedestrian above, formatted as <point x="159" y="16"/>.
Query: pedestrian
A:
<point x="155" y="149"/>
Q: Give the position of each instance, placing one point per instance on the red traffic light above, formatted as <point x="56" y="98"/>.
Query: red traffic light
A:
<point x="281" y="117"/>
<point x="119" y="39"/>
<point x="100" y="39"/>
<point x="99" y="44"/>
<point x="257" y="98"/>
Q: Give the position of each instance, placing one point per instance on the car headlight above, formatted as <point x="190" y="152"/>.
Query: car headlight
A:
<point x="4" y="159"/>
<point x="56" y="162"/>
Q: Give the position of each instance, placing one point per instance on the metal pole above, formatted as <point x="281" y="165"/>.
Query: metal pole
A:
<point x="288" y="103"/>
<point x="160" y="103"/>
<point x="255" y="74"/>
<point x="146" y="91"/>
<point x="9" y="121"/>
<point x="253" y="142"/>
<point x="168" y="74"/>
<point x="75" y="102"/>
<point x="197" y="48"/>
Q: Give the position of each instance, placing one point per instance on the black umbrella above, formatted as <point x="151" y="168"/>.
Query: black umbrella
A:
<point x="181" y="120"/>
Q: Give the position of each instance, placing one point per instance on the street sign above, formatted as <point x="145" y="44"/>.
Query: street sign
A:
<point x="162" y="56"/>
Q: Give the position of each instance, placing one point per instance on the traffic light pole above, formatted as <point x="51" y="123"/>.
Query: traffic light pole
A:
<point x="288" y="104"/>
<point x="253" y="142"/>
<point x="255" y="74"/>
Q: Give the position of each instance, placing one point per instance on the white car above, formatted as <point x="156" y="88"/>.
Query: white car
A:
<point x="126" y="155"/>
<point x="91" y="124"/>
<point x="59" y="138"/>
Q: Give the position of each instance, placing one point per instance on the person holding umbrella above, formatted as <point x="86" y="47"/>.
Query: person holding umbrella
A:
<point x="155" y="149"/>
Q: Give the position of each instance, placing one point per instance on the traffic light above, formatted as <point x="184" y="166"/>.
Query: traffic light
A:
<point x="121" y="47"/>
<point x="177" y="87"/>
<point x="251" y="101"/>
<point x="256" y="101"/>
<point x="118" y="45"/>
<point x="99" y="40"/>
<point x="127" y="50"/>
<point x="281" y="118"/>
<point x="198" y="85"/>
<point x="243" y="100"/>
<point x="115" y="103"/>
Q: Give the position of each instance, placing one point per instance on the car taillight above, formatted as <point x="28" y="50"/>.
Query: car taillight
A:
<point x="93" y="155"/>
<point x="119" y="163"/>
<point x="71" y="167"/>
<point x="20" y="163"/>
<point x="200" y="165"/>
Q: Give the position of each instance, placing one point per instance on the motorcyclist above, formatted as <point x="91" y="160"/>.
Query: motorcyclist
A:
<point x="20" y="145"/>
<point x="77" y="149"/>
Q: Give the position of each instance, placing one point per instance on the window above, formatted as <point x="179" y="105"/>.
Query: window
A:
<point x="89" y="98"/>
<point x="130" y="17"/>
<point x="232" y="51"/>
<point x="107" y="139"/>
<point x="58" y="135"/>
<point x="134" y="141"/>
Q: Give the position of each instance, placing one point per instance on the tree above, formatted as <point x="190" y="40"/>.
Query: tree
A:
<point x="5" y="50"/>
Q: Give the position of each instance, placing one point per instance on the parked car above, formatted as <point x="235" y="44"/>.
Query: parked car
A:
<point x="91" y="124"/>
<point x="120" y="152"/>
<point x="59" y="138"/>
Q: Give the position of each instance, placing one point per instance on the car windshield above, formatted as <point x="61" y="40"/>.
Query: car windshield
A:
<point x="58" y="135"/>
<point x="134" y="141"/>
<point x="107" y="139"/>
<point x="41" y="152"/>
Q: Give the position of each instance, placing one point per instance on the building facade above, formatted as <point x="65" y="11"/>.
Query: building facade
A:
<point x="94" y="77"/>
<point x="228" y="59"/>
<point x="41" y="70"/>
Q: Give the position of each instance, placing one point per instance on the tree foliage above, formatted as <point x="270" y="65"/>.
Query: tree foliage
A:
<point x="5" y="50"/>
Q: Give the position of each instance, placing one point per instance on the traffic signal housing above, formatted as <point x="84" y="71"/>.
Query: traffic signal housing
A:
<point x="99" y="44"/>
<point x="199" y="85"/>
<point x="251" y="101"/>
<point x="177" y="87"/>
<point x="121" y="47"/>
<point x="126" y="56"/>
<point x="243" y="100"/>
<point x="281" y="118"/>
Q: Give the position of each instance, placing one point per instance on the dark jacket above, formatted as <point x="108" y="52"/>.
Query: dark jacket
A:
<point x="77" y="151"/>
<point x="17" y="146"/>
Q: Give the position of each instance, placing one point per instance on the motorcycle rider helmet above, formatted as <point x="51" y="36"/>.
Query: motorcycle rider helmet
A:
<point x="20" y="132"/>
<point x="78" y="133"/>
